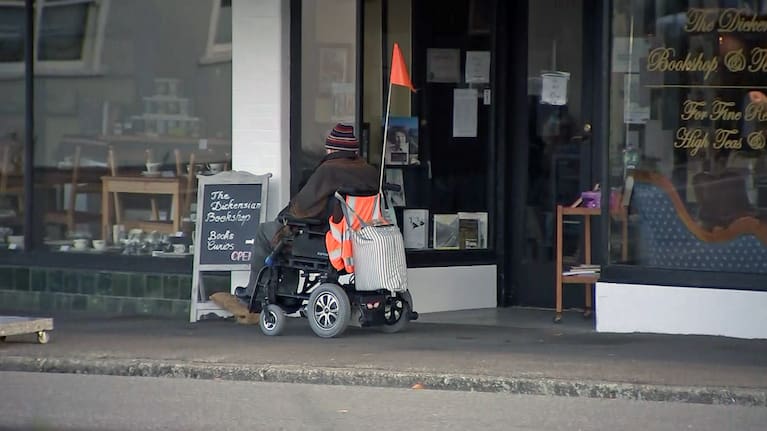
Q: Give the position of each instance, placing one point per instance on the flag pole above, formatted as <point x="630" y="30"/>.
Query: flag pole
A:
<point x="386" y="132"/>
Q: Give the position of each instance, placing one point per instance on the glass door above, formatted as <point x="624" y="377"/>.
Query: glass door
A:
<point x="559" y="148"/>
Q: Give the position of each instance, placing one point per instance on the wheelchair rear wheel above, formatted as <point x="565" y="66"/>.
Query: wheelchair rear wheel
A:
<point x="397" y="313"/>
<point x="328" y="310"/>
<point x="272" y="320"/>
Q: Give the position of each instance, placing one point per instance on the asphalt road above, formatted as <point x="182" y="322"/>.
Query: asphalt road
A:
<point x="84" y="402"/>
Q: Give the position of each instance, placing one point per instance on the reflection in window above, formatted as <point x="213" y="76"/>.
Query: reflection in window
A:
<point x="224" y="23"/>
<point x="687" y="140"/>
<point x="67" y="33"/>
<point x="62" y="31"/>
<point x="219" y="47"/>
<point x="11" y="32"/>
<point x="118" y="153"/>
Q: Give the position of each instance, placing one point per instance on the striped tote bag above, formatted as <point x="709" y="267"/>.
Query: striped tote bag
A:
<point x="378" y="251"/>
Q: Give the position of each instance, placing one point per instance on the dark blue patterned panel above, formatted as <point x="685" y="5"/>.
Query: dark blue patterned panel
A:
<point x="665" y="242"/>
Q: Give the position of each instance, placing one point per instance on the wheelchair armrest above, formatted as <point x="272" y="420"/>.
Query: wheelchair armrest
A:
<point x="295" y="221"/>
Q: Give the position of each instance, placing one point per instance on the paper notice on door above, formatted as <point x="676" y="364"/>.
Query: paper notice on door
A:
<point x="477" y="67"/>
<point x="443" y="65"/>
<point x="465" y="113"/>
<point x="554" y="88"/>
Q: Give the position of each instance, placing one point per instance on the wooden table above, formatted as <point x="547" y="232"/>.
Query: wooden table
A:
<point x="587" y="279"/>
<point x="112" y="185"/>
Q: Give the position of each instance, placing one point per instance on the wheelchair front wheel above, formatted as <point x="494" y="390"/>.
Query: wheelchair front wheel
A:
<point x="328" y="310"/>
<point x="272" y="320"/>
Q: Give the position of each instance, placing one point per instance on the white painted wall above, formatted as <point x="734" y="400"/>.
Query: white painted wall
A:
<point x="261" y="98"/>
<point x="261" y="94"/>
<point x="453" y="288"/>
<point x="680" y="310"/>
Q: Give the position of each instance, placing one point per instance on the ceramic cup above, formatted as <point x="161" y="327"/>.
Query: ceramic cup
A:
<point x="16" y="241"/>
<point x="99" y="244"/>
<point x="153" y="167"/>
<point x="80" y="244"/>
<point x="179" y="248"/>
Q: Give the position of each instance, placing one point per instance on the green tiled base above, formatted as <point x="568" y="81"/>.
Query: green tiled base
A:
<point x="43" y="289"/>
<point x="15" y="300"/>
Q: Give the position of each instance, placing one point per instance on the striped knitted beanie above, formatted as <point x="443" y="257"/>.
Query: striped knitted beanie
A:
<point x="342" y="138"/>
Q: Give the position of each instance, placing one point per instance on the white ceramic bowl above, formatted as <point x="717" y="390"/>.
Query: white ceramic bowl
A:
<point x="80" y="244"/>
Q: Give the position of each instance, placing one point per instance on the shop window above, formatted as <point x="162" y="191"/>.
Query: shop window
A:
<point x="114" y="150"/>
<point x="219" y="47"/>
<point x="438" y="146"/>
<point x="687" y="157"/>
<point x="68" y="35"/>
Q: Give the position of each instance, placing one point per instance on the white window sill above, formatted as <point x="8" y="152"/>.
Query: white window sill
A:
<point x="216" y="57"/>
<point x="48" y="72"/>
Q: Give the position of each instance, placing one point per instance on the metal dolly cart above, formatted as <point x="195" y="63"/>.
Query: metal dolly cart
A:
<point x="17" y="325"/>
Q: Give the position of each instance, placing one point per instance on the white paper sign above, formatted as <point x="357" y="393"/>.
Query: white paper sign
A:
<point x="443" y="65"/>
<point x="477" y="67"/>
<point x="633" y="110"/>
<point x="554" y="88"/>
<point x="465" y="112"/>
<point x="627" y="52"/>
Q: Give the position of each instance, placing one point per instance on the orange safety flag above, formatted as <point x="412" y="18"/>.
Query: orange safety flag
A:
<point x="399" y="75"/>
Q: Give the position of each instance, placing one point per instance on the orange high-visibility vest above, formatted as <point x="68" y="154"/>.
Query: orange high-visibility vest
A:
<point x="338" y="240"/>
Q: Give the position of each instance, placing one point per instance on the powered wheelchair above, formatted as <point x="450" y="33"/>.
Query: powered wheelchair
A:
<point x="299" y="280"/>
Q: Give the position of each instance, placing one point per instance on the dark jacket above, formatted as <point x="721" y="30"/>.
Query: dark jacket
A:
<point x="336" y="170"/>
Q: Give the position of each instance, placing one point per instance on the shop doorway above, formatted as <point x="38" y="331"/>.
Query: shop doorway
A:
<point x="555" y="162"/>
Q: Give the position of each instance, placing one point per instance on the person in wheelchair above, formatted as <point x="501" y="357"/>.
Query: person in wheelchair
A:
<point x="340" y="168"/>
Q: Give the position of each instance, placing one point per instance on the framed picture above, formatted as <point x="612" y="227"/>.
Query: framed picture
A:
<point x="480" y="16"/>
<point x="333" y="66"/>
<point x="402" y="141"/>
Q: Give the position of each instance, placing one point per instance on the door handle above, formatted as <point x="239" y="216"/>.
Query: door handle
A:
<point x="585" y="136"/>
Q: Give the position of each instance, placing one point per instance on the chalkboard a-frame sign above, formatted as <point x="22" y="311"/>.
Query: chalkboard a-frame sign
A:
<point x="230" y="205"/>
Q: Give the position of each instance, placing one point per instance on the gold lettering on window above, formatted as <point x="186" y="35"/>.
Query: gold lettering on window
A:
<point x="741" y="20"/>
<point x="758" y="60"/>
<point x="664" y="60"/>
<point x="727" y="139"/>
<point x="756" y="111"/>
<point x="756" y="140"/>
<point x="700" y="20"/>
<point x="693" y="110"/>
<point x="721" y="110"/>
<point x="691" y="139"/>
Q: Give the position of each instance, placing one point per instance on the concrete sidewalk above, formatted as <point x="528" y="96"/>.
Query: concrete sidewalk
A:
<point x="508" y="350"/>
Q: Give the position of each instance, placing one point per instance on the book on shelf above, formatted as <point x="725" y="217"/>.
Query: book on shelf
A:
<point x="415" y="228"/>
<point x="583" y="269"/>
<point x="446" y="231"/>
<point x="468" y="233"/>
<point x="481" y="218"/>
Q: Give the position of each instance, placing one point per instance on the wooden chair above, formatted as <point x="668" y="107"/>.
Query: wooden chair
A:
<point x="69" y="216"/>
<point x="9" y="188"/>
<point x="189" y="190"/>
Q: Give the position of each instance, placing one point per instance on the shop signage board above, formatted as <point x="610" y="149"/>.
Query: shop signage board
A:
<point x="230" y="205"/>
